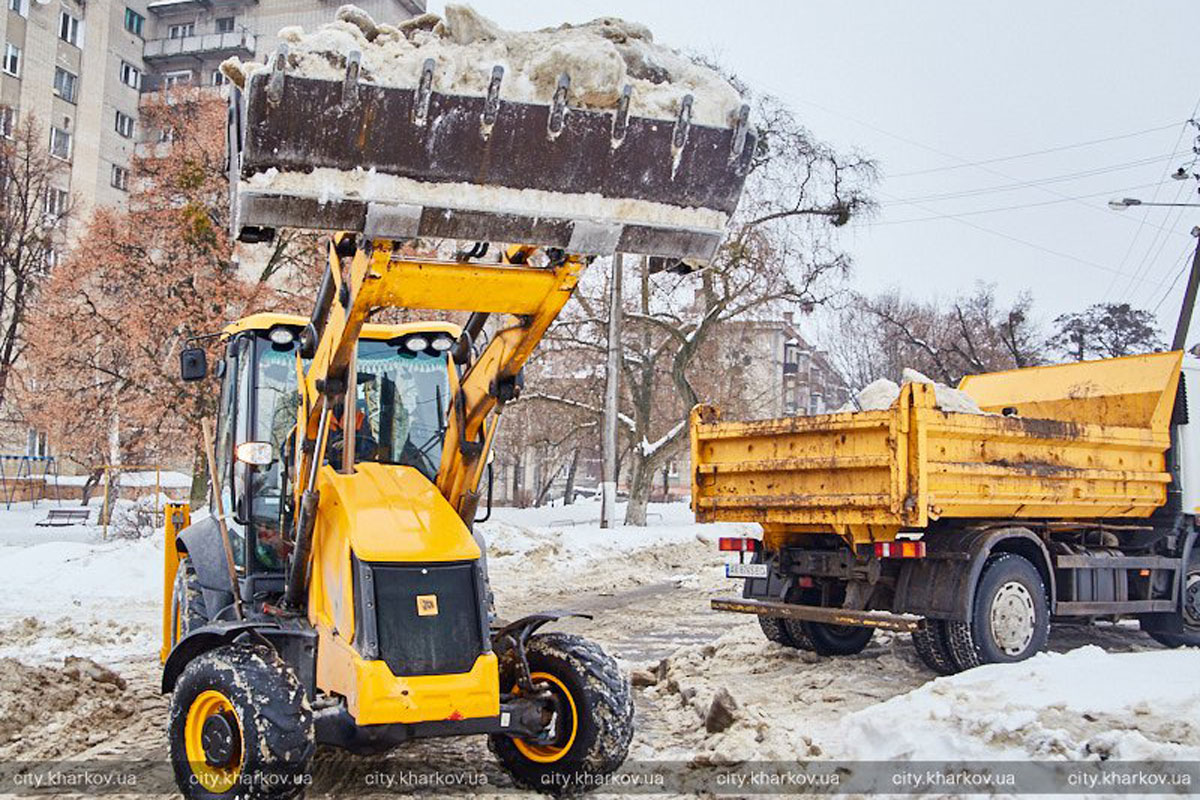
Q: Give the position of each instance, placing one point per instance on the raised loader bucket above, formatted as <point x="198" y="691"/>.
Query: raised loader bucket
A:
<point x="395" y="163"/>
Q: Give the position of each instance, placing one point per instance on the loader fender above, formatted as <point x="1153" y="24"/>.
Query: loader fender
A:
<point x="296" y="645"/>
<point x="942" y="585"/>
<point x="201" y="541"/>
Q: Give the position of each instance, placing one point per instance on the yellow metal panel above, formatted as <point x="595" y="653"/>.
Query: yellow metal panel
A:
<point x="374" y="696"/>
<point x="178" y="516"/>
<point x="497" y="288"/>
<point x="1135" y="391"/>
<point x="869" y="474"/>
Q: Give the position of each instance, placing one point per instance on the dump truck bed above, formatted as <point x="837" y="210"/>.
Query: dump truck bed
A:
<point x="1095" y="449"/>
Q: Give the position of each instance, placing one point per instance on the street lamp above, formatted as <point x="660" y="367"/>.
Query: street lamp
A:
<point x="1193" y="284"/>
<point x="1122" y="203"/>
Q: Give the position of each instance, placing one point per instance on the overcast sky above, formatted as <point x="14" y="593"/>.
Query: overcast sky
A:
<point x="935" y="86"/>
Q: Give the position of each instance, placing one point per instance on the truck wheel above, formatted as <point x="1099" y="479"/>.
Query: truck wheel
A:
<point x="594" y="741"/>
<point x="240" y="727"/>
<point x="190" y="612"/>
<point x="1010" y="618"/>
<point x="837" y="640"/>
<point x="1183" y="630"/>
<point x="933" y="647"/>
<point x="785" y="631"/>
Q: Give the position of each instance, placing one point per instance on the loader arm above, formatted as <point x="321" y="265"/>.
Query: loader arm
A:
<point x="378" y="279"/>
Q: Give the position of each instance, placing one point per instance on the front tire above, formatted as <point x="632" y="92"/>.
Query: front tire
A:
<point x="1010" y="618"/>
<point x="190" y="612"/>
<point x="240" y="727"/>
<point x="1183" y="628"/>
<point x="590" y="745"/>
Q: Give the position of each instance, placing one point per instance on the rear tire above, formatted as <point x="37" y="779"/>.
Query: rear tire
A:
<point x="1010" y="617"/>
<point x="1180" y="629"/>
<point x="597" y="740"/>
<point x="190" y="612"/>
<point x="837" y="640"/>
<point x="240" y="727"/>
<point x="932" y="646"/>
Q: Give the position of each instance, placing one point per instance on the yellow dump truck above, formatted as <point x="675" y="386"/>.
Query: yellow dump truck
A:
<point x="1073" y="496"/>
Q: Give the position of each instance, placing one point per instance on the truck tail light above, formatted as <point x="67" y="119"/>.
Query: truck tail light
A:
<point x="900" y="549"/>
<point x="737" y="544"/>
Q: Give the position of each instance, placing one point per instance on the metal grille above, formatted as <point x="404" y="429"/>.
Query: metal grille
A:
<point x="426" y="618"/>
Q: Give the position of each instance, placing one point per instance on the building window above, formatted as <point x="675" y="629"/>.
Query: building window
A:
<point x="51" y="258"/>
<point x="134" y="22"/>
<point x="56" y="202"/>
<point x="65" y="84"/>
<point x="70" y="29"/>
<point x="224" y="24"/>
<point x="124" y="125"/>
<point x="8" y="121"/>
<point x="171" y="80"/>
<point x="12" y="60"/>
<point x="19" y="6"/>
<point x="219" y="78"/>
<point x="120" y="178"/>
<point x="181" y="31"/>
<point x="60" y="143"/>
<point x="166" y="135"/>
<point x="131" y="76"/>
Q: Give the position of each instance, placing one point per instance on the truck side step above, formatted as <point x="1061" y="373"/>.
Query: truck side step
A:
<point x="883" y="620"/>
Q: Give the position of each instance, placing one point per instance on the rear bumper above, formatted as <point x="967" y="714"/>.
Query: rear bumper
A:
<point x="883" y="620"/>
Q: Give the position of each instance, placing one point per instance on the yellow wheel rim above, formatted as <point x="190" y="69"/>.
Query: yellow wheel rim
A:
<point x="547" y="753"/>
<point x="208" y="704"/>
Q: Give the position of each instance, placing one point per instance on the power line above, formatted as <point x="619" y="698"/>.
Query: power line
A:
<point x="1019" y="240"/>
<point x="1032" y="153"/>
<point x="1034" y="182"/>
<point x="1017" y="207"/>
<point x="1187" y="252"/>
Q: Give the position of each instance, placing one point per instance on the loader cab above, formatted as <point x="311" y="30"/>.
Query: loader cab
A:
<point x="401" y="393"/>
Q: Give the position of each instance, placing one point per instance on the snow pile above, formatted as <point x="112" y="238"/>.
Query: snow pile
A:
<point x="600" y="57"/>
<point x="948" y="398"/>
<point x="881" y="394"/>
<point x="1085" y="704"/>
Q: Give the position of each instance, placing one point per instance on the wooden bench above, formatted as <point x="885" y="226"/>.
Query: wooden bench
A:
<point x="62" y="517"/>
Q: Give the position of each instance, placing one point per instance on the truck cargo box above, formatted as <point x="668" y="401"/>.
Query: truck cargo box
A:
<point x="1075" y="441"/>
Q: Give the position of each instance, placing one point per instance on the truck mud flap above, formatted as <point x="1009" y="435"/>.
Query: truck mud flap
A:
<point x="883" y="620"/>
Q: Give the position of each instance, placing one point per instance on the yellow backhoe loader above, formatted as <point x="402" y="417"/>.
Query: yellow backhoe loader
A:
<point x="337" y="592"/>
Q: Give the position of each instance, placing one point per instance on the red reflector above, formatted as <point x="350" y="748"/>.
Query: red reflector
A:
<point x="737" y="544"/>
<point x="900" y="549"/>
<point x="804" y="582"/>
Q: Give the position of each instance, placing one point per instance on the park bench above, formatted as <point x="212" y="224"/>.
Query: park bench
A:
<point x="62" y="517"/>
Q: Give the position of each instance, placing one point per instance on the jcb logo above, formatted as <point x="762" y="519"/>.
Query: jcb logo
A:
<point x="427" y="605"/>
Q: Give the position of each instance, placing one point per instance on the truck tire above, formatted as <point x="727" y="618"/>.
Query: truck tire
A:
<point x="933" y="647"/>
<point x="591" y="745"/>
<point x="1183" y="630"/>
<point x="240" y="727"/>
<point x="190" y="612"/>
<point x="1010" y="616"/>
<point x="837" y="640"/>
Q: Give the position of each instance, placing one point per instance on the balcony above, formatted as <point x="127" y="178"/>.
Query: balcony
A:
<point x="208" y="44"/>
<point x="167" y="6"/>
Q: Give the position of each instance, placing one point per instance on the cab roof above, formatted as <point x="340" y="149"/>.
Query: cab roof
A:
<point x="266" y="320"/>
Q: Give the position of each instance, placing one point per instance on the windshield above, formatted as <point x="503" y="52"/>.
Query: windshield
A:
<point x="400" y="417"/>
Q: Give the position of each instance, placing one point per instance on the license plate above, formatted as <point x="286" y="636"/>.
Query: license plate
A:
<point x="745" y="570"/>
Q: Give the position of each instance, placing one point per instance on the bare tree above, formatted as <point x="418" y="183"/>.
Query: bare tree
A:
<point x="33" y="215"/>
<point x="780" y="253"/>
<point x="878" y="337"/>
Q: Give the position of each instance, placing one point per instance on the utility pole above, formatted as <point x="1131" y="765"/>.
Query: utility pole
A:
<point x="612" y="399"/>
<point x="1189" y="299"/>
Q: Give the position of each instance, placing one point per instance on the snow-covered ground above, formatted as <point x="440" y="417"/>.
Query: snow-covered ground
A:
<point x="67" y="592"/>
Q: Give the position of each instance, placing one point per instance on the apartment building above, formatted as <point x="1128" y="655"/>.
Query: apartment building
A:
<point x="81" y="67"/>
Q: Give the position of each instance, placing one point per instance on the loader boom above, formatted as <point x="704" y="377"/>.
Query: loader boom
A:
<point x="377" y="278"/>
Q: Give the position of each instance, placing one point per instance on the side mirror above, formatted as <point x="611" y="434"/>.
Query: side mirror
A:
<point x="256" y="454"/>
<point x="193" y="364"/>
